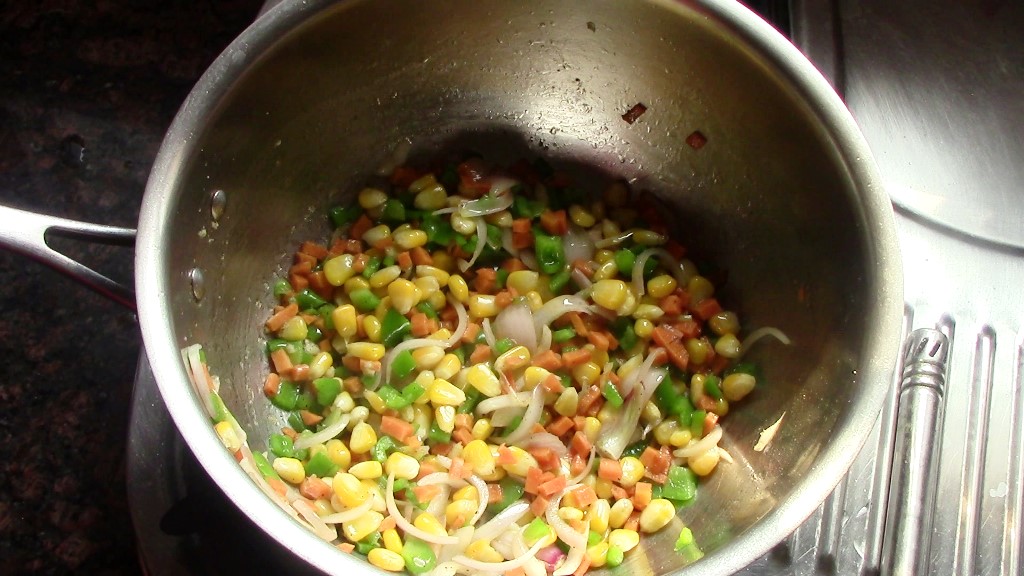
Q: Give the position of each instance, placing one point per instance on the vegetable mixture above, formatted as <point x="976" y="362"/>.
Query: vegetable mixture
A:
<point x="493" y="372"/>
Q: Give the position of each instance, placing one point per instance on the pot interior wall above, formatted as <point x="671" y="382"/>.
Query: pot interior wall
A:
<point x="767" y="200"/>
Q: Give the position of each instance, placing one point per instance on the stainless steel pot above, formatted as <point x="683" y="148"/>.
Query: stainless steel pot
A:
<point x="304" y="105"/>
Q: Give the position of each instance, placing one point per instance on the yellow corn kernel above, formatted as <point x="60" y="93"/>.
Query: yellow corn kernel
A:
<point x="376" y="495"/>
<point x="598" y="210"/>
<point x="425" y="379"/>
<point x="567" y="402"/>
<point x="392" y="540"/>
<point x="699" y="350"/>
<point x="384" y="276"/>
<point x="663" y="431"/>
<point x="290" y="470"/>
<point x="501" y="219"/>
<point x="402" y="466"/>
<point x="598" y="515"/>
<point x="372" y="328"/>
<point x="375" y="401"/>
<point x="362" y="526"/>
<point x="534" y="300"/>
<point x="349" y="489"/>
<point x="339" y="269"/>
<point x="363" y="438"/>
<point x="728" y="346"/>
<point x="344" y="318"/>
<point x="513" y="359"/>
<point x="591" y="428"/>
<point x="422" y="183"/>
<point x="459" y="512"/>
<point x="483" y="305"/>
<point x="428" y="271"/>
<point x="522" y="462"/>
<point x="648" y="312"/>
<point x="227" y="436"/>
<point x="466" y="493"/>
<point x="570" y="514"/>
<point x="648" y="237"/>
<point x="371" y="198"/>
<point x="681" y="438"/>
<point x="431" y="198"/>
<point x="344" y="401"/>
<point x="523" y="281"/>
<point x="425" y="521"/>
<point x="320" y="364"/>
<point x="421" y="418"/>
<point x="656" y="515"/>
<point x="478" y="457"/>
<point x="322" y="507"/>
<point x="366" y="470"/>
<point x="632" y="471"/>
<point x="620" y="512"/>
<point x="385" y="559"/>
<point x="661" y="286"/>
<point x="586" y="373"/>
<point x="409" y="239"/>
<point x="377" y="234"/>
<point x="448" y="367"/>
<point x="607" y="412"/>
<point x="482" y="428"/>
<point x="481" y="377"/>
<point x="643" y="328"/>
<point x="702" y="464"/>
<point x="603" y="488"/>
<point x="443" y="260"/>
<point x="444" y="393"/>
<point x="427" y="286"/>
<point x="356" y="283"/>
<point x="580" y="216"/>
<point x="533" y="376"/>
<point x="458" y="288"/>
<point x="725" y="322"/>
<point x="737" y="385"/>
<point x="404" y="295"/>
<point x="293" y="330"/>
<point x="606" y="271"/>
<point x="366" y="350"/>
<point x="598" y="554"/>
<point x="463" y="225"/>
<point x="427" y="357"/>
<point x="445" y="418"/>
<point x="699" y="288"/>
<point x="626" y="540"/>
<point x="482" y="551"/>
<point x="651" y="414"/>
<point x="610" y="293"/>
<point x="338" y="453"/>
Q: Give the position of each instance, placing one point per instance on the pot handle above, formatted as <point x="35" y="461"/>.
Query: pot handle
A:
<point x="26" y="233"/>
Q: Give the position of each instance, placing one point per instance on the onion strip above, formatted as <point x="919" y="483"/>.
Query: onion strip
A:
<point x="405" y="525"/>
<point x="500" y="566"/>
<point x="512" y="399"/>
<point x="507" y="517"/>
<point x="350" y="514"/>
<point x="696" y="448"/>
<point x="554" y="309"/>
<point x="482" y="493"/>
<point x="767" y="435"/>
<point x="565" y="532"/>
<point x="197" y="373"/>
<point x="532" y="416"/>
<point x="761" y="333"/>
<point x="576" y="554"/>
<point x="460" y="330"/>
<point x="586" y="469"/>
<point x="324" y="435"/>
<point x="320" y="528"/>
<point x="481" y="239"/>
<point x="412" y="344"/>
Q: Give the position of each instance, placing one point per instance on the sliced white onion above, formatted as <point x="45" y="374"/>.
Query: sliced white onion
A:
<point x="761" y="333"/>
<point x="515" y="321"/>
<point x="529" y="259"/>
<point x="586" y="469"/>
<point x="725" y="456"/>
<point x="581" y="280"/>
<point x="412" y="344"/>
<point x="197" y="374"/>
<point x="482" y="494"/>
<point x="485" y="325"/>
<point x="496" y="200"/>
<point x="649" y="383"/>
<point x="613" y="240"/>
<point x="405" y="525"/>
<point x="504" y="416"/>
<point x="446" y="553"/>
<point x="554" y="309"/>
<point x="547" y="440"/>
<point x="437" y="504"/>
<point x="532" y="416"/>
<point x="499" y="566"/>
<point x="765" y="438"/>
<point x="545" y="339"/>
<point x="250" y="470"/>
<point x="350" y="514"/>
<point x="517" y="399"/>
<point x="321" y="437"/>
<point x="575" y="557"/>
<point x="441" y="478"/>
<point x="695" y="448"/>
<point x="460" y="330"/>
<point x="481" y="239"/>
<point x="507" y="517"/>
<point x="630" y="381"/>
<point x="565" y="532"/>
<point x="446" y="568"/>
<point x="506" y="242"/>
<point x="578" y="246"/>
<point x="639" y="288"/>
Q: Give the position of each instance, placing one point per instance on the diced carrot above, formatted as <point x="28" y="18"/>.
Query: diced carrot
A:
<point x="428" y="466"/>
<point x="672" y="304"/>
<point x="554" y="222"/>
<point x="486" y="281"/>
<point x="513" y="265"/>
<point x="299" y="372"/>
<point x="346" y="547"/>
<point x="302" y="268"/>
<point x="552" y="383"/>
<point x="359" y="227"/>
<point x="657" y="463"/>
<point x="481" y="353"/>
<point x="580" y="444"/>
<point x="318" y="251"/>
<point x="337" y="247"/>
<point x="585" y="495"/>
<point x="710" y="421"/>
<point x="642" y="494"/>
<point x="403" y="176"/>
<point x="548" y="360"/>
<point x="600" y="340"/>
<point x="420" y="324"/>
<point x="458" y="469"/>
<point x="309" y="418"/>
<point x="271" y="385"/>
<point x="387" y="524"/>
<point x="619" y="493"/>
<point x="505" y="456"/>
<point x="552" y="487"/>
<point x="354" y="246"/>
<point x="441" y="449"/>
<point x="706" y="308"/>
<point x="289" y="432"/>
<point x="281" y="316"/>
<point x="278" y="485"/>
<point x="319" y="284"/>
<point x="404" y="260"/>
<point x="472" y="331"/>
<point x="421" y="257"/>
<point x="670" y="338"/>
<point x="282" y="363"/>
<point x="560" y="426"/>
<point x="412" y="441"/>
<point x="359" y="262"/>
<point x="301" y="257"/>
<point x="503" y="298"/>
<point x="534" y="478"/>
<point x="609" y="469"/>
<point x="520" y="571"/>
<point x="576" y="357"/>
<point x="545" y="457"/>
<point x="464" y="421"/>
<point x="462" y="436"/>
<point x="494" y="493"/>
<point x="522" y="240"/>
<point x="688" y="327"/>
<point x="298" y="282"/>
<point x="583" y="567"/>
<point x="577" y="323"/>
<point x="587" y="400"/>
<point x="395" y="427"/>
<point x="314" y="488"/>
<point x="539" y="506"/>
<point x="584" y="267"/>
<point x="426" y="493"/>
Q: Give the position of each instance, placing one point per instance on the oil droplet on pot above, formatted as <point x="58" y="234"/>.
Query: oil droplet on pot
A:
<point x="195" y="277"/>
<point x="218" y="202"/>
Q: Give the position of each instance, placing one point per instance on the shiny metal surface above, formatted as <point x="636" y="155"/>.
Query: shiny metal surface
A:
<point x="936" y="86"/>
<point x="26" y="233"/>
<point x="286" y="122"/>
